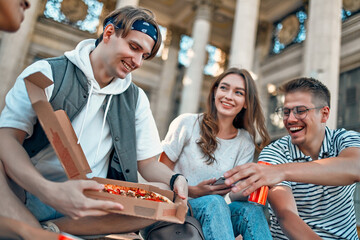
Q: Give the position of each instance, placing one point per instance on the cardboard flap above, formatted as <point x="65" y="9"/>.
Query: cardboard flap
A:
<point x="39" y="79"/>
<point x="57" y="128"/>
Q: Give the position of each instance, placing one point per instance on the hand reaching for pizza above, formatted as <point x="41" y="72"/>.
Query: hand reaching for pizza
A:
<point x="68" y="198"/>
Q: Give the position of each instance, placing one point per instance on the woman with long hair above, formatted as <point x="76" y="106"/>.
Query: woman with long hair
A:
<point x="202" y="147"/>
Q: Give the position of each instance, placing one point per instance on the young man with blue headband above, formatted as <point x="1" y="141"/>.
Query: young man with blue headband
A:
<point x="113" y="122"/>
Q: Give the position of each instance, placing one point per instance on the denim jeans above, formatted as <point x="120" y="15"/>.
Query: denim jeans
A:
<point x="40" y="210"/>
<point x="221" y="221"/>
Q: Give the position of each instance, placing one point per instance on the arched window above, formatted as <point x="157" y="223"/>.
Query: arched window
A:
<point x="216" y="57"/>
<point x="82" y="14"/>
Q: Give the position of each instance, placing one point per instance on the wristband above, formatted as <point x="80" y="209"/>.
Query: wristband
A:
<point x="173" y="179"/>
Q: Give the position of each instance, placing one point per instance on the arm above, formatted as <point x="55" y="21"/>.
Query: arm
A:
<point x="155" y="171"/>
<point x="71" y="201"/>
<point x="335" y="171"/>
<point x="284" y="206"/>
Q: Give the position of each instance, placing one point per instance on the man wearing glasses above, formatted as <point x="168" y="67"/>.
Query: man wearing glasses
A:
<point x="312" y="183"/>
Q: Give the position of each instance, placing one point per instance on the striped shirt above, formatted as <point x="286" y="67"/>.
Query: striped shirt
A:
<point x="328" y="210"/>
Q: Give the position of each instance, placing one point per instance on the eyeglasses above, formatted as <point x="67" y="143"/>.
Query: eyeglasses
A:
<point x="300" y="112"/>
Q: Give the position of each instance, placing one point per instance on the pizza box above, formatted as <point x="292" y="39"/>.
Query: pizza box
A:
<point x="63" y="139"/>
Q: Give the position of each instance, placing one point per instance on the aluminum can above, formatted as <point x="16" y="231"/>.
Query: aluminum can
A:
<point x="259" y="196"/>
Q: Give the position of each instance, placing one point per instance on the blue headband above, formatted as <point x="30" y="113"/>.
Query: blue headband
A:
<point x="138" y="25"/>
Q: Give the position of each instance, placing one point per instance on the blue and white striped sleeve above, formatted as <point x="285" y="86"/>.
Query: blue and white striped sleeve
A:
<point x="344" y="139"/>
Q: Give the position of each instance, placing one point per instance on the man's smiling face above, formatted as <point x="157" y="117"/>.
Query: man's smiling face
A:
<point x="304" y="131"/>
<point x="124" y="55"/>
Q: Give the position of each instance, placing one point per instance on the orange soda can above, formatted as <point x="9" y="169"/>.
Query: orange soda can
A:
<point x="259" y="196"/>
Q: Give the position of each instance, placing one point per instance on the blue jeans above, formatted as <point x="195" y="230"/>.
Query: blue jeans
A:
<point x="221" y="221"/>
<point x="40" y="210"/>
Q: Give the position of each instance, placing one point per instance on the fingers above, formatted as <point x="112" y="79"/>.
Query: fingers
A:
<point x="237" y="173"/>
<point x="240" y="173"/>
<point x="232" y="171"/>
<point x="75" y="204"/>
<point x="208" y="181"/>
<point x="222" y="192"/>
<point x="182" y="192"/>
<point x="92" y="207"/>
<point x="182" y="195"/>
<point x="248" y="185"/>
<point x="89" y="184"/>
<point x="106" y="205"/>
<point x="220" y="187"/>
<point x="89" y="213"/>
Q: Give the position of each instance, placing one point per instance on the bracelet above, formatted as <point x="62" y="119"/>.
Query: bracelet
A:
<point x="173" y="179"/>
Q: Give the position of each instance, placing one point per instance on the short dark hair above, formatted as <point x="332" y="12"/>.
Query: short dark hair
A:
<point x="320" y="93"/>
<point x="127" y="16"/>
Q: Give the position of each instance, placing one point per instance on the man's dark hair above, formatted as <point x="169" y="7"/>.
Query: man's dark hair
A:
<point x="320" y="93"/>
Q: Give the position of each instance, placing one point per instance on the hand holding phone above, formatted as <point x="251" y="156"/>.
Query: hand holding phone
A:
<point x="220" y="180"/>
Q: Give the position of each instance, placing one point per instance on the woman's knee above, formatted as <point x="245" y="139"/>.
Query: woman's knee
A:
<point x="246" y="209"/>
<point x="215" y="203"/>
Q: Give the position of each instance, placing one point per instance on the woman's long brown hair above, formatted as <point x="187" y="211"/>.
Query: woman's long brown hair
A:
<point x="251" y="119"/>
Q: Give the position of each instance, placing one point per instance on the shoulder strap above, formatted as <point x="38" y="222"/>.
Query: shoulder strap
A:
<point x="190" y="209"/>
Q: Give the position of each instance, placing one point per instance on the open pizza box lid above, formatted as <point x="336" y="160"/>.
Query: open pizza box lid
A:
<point x="63" y="139"/>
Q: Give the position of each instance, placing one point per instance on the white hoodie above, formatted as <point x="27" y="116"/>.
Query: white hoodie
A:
<point x="90" y="124"/>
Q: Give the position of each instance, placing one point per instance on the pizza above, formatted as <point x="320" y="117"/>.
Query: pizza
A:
<point x="135" y="193"/>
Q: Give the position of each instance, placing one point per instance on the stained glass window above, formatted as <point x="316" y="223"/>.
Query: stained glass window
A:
<point x="90" y="22"/>
<point x="345" y="14"/>
<point x="288" y="31"/>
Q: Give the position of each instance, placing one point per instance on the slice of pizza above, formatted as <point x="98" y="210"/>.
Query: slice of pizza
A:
<point x="135" y="193"/>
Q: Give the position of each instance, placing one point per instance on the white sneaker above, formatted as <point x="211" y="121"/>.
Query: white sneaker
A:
<point x="50" y="226"/>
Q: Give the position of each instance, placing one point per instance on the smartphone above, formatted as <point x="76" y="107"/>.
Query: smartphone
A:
<point x="220" y="180"/>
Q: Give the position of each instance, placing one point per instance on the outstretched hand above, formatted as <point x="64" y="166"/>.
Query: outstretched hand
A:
<point x="68" y="198"/>
<point x="251" y="176"/>
<point x="206" y="187"/>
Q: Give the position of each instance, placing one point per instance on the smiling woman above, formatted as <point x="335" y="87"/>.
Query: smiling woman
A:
<point x="204" y="146"/>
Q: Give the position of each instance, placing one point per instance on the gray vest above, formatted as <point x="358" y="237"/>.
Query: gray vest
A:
<point x="70" y="94"/>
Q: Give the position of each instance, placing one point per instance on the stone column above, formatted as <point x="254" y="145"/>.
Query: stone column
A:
<point x="123" y="3"/>
<point x="322" y="48"/>
<point x="168" y="78"/>
<point x="193" y="78"/>
<point x="244" y="34"/>
<point x="14" y="48"/>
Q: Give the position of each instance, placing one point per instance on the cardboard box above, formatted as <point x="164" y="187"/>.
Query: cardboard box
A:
<point x="62" y="137"/>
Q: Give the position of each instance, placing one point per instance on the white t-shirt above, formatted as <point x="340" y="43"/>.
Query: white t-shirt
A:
<point x="181" y="147"/>
<point x="18" y="113"/>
